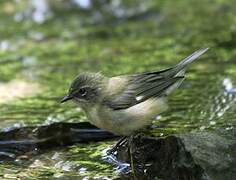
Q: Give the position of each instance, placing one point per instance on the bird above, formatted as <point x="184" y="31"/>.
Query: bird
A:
<point x="126" y="104"/>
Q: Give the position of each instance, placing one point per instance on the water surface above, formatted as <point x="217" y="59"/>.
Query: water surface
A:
<point x="45" y="45"/>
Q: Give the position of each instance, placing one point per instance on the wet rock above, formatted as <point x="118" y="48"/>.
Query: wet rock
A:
<point x="214" y="151"/>
<point x="33" y="140"/>
<point x="200" y="155"/>
<point x="196" y="155"/>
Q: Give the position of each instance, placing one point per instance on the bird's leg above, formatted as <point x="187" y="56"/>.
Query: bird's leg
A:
<point x="120" y="142"/>
<point x="130" y="148"/>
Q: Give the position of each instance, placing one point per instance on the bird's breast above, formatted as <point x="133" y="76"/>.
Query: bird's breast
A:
<point x="126" y="121"/>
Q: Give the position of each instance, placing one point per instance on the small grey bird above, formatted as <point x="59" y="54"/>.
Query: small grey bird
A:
<point x="127" y="103"/>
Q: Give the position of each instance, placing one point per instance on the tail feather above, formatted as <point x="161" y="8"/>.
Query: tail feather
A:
<point x="179" y="68"/>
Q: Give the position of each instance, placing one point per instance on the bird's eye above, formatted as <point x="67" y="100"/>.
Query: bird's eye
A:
<point x="82" y="92"/>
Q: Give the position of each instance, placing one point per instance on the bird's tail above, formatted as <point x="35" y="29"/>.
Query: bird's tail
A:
<point x="179" y="68"/>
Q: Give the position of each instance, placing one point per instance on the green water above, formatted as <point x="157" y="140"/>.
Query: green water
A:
<point x="113" y="39"/>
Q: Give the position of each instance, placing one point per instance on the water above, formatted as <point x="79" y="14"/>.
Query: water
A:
<point x="44" y="45"/>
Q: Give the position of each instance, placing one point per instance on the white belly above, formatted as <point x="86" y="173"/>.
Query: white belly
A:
<point x="126" y="121"/>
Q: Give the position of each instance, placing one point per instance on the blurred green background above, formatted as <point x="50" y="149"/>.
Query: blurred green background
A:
<point x="44" y="44"/>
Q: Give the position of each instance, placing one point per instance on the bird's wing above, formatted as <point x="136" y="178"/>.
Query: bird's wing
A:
<point x="137" y="88"/>
<point x="140" y="87"/>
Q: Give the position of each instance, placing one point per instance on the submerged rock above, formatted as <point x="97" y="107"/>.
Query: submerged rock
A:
<point x="33" y="140"/>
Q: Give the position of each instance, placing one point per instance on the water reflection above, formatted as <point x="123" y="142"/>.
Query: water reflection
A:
<point x="38" y="36"/>
<point x="48" y="58"/>
<point x="38" y="11"/>
<point x="5" y="45"/>
<point x="228" y="85"/>
<point x="41" y="10"/>
<point x="17" y="89"/>
<point x="84" y="4"/>
<point x="218" y="105"/>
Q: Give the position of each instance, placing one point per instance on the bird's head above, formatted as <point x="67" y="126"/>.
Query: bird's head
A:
<point x="86" y="88"/>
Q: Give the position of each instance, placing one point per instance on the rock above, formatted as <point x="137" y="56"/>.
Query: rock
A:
<point x="197" y="155"/>
<point x="214" y="151"/>
<point x="28" y="140"/>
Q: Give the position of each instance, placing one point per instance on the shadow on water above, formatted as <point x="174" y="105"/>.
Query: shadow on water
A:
<point x="44" y="44"/>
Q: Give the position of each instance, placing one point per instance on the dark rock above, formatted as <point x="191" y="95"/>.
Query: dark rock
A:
<point x="161" y="158"/>
<point x="199" y="155"/>
<point x="19" y="141"/>
<point x="195" y="156"/>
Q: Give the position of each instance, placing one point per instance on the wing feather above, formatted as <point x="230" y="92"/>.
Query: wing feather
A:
<point x="140" y="87"/>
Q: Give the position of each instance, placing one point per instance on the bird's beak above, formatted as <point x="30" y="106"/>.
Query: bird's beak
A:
<point x="66" y="98"/>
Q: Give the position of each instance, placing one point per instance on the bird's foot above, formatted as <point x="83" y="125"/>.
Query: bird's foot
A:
<point x="120" y="143"/>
